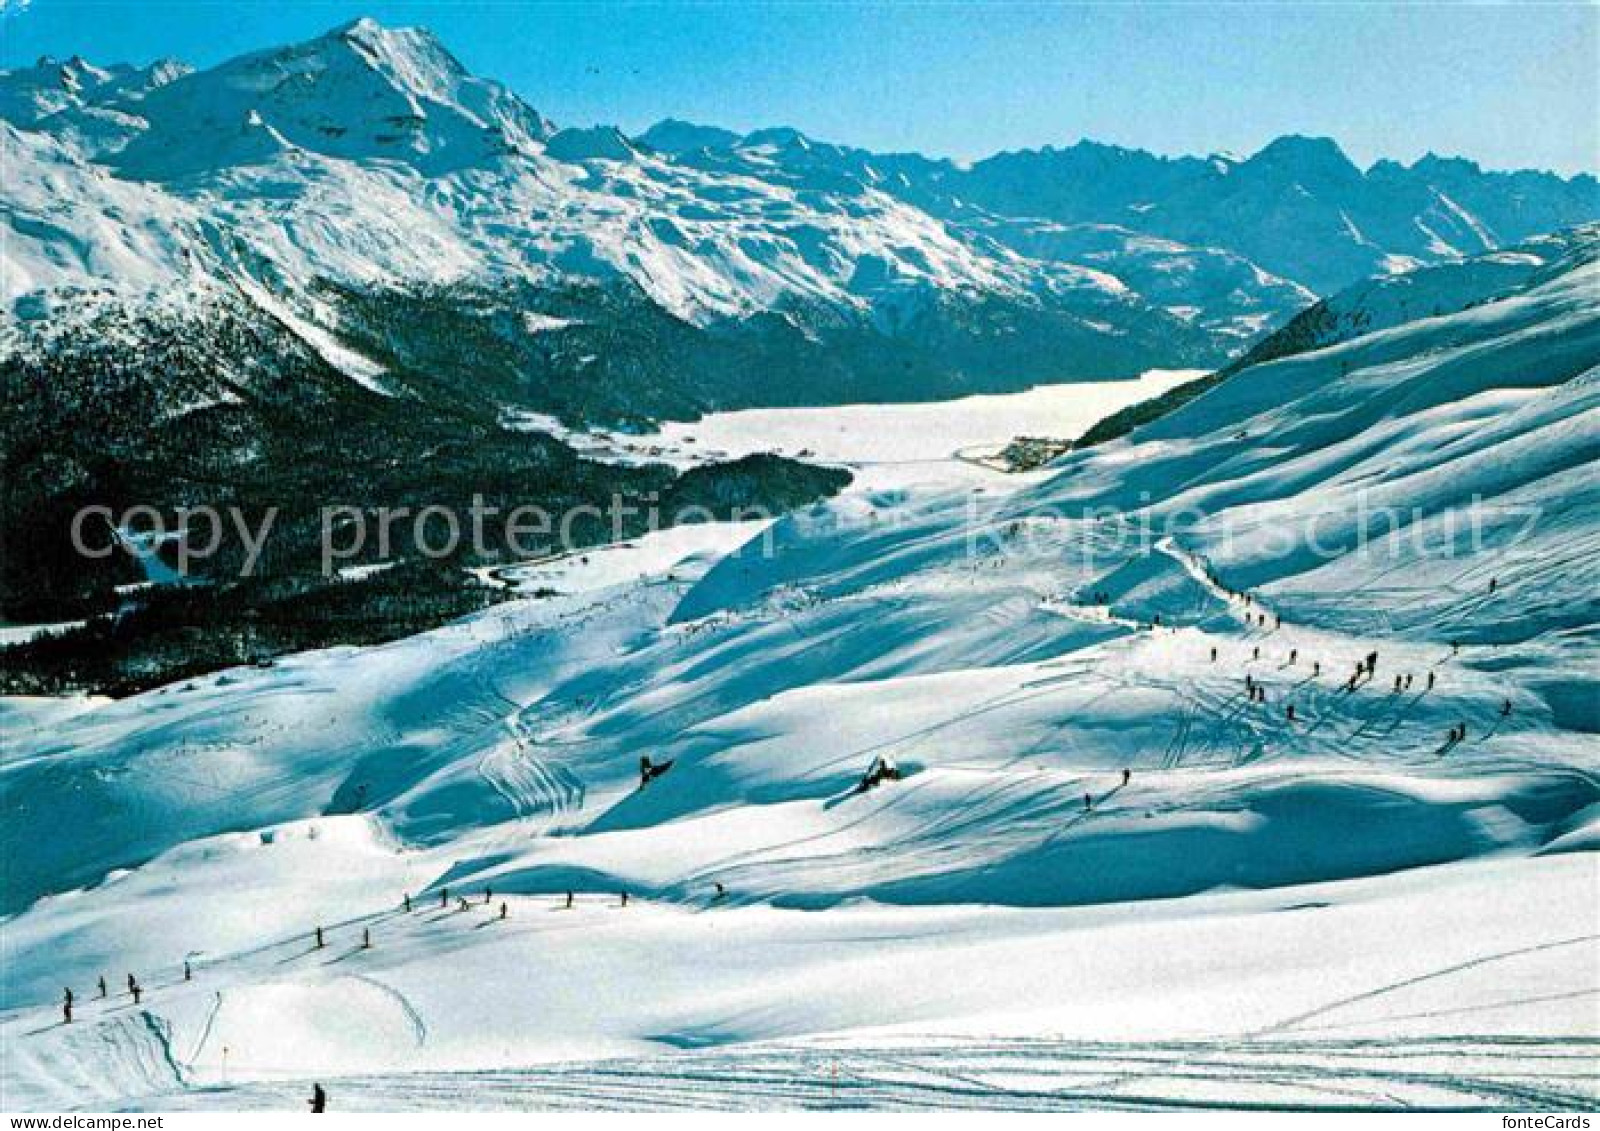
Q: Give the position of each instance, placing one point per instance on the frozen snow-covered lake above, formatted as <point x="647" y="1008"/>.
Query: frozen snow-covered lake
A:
<point x="888" y="446"/>
<point x="902" y="444"/>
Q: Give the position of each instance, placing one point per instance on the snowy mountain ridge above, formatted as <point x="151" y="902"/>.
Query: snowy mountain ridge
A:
<point x="370" y="157"/>
<point x="1300" y="208"/>
<point x="369" y="153"/>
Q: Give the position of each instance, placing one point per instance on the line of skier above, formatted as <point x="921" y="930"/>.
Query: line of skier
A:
<point x="320" y="939"/>
<point x="1365" y="669"/>
<point x="135" y="991"/>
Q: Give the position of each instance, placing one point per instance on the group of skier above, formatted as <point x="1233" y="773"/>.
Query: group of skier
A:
<point x="1366" y="668"/>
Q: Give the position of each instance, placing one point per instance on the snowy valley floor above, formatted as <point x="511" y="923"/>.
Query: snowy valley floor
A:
<point x="1342" y="908"/>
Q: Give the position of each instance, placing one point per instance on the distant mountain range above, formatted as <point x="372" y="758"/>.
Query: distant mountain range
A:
<point x="368" y="159"/>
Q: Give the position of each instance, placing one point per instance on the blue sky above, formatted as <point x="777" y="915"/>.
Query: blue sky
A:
<point x="1509" y="85"/>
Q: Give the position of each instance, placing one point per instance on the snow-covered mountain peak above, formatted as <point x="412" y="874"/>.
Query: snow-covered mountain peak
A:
<point x="412" y="58"/>
<point x="674" y="135"/>
<point x="778" y="138"/>
<point x="360" y="92"/>
<point x="1298" y="156"/>
<point x="604" y="143"/>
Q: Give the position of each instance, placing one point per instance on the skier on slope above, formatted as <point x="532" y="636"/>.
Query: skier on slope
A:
<point x="318" y="1103"/>
<point x="102" y="985"/>
<point x="881" y="770"/>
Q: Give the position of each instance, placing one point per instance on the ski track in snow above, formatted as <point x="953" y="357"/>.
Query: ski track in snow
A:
<point x="1300" y="1019"/>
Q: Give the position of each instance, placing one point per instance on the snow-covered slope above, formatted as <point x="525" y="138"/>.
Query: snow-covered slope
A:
<point x="1224" y="292"/>
<point x="1427" y="292"/>
<point x="1058" y="666"/>
<point x="369" y="158"/>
